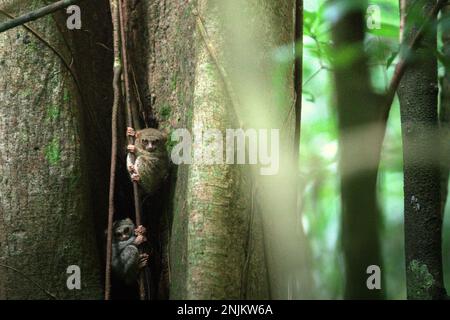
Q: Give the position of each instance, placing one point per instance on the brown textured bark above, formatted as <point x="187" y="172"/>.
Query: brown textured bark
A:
<point x="46" y="211"/>
<point x="206" y="229"/>
<point x="216" y="241"/>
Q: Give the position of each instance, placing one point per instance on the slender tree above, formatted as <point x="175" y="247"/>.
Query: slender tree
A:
<point x="359" y="149"/>
<point x="418" y="92"/>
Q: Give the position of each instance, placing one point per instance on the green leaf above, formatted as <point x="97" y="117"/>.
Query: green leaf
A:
<point x="387" y="30"/>
<point x="309" y="96"/>
<point x="391" y="59"/>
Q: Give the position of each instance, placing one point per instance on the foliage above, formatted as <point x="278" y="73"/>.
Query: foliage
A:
<point x="319" y="150"/>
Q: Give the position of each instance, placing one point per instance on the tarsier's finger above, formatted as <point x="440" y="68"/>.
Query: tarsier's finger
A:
<point x="130" y="131"/>
<point x="141" y="229"/>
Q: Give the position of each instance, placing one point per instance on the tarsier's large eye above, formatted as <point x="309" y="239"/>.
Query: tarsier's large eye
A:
<point x="126" y="230"/>
<point x="144" y="142"/>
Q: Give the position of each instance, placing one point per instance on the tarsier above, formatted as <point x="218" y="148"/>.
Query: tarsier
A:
<point x="151" y="163"/>
<point x="126" y="260"/>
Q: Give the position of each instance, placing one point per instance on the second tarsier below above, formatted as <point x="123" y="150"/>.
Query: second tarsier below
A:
<point x="126" y="260"/>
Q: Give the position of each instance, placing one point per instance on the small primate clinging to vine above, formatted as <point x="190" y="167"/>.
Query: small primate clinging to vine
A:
<point x="126" y="260"/>
<point x="151" y="165"/>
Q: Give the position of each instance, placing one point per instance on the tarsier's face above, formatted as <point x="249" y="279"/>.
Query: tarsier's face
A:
<point x="123" y="231"/>
<point x="150" y="140"/>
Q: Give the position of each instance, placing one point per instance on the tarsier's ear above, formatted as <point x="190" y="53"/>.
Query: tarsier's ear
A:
<point x="138" y="134"/>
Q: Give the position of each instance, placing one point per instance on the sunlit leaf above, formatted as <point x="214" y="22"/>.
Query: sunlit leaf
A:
<point x="386" y="30"/>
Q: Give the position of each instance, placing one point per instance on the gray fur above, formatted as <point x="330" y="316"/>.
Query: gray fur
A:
<point x="125" y="254"/>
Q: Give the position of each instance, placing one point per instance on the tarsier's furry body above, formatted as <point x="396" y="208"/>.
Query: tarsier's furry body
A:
<point x="126" y="260"/>
<point x="149" y="169"/>
<point x="151" y="165"/>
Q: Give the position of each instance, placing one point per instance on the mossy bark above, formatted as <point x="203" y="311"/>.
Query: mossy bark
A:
<point x="215" y="249"/>
<point x="46" y="216"/>
<point x="208" y="236"/>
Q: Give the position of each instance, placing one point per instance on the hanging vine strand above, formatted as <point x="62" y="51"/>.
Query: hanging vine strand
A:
<point x="116" y="86"/>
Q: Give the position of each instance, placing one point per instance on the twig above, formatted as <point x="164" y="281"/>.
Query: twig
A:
<point x="137" y="206"/>
<point x="402" y="5"/>
<point x="138" y="95"/>
<point x="31" y="280"/>
<point x="36" y="14"/>
<point x="291" y="108"/>
<point x="103" y="46"/>
<point x="298" y="76"/>
<point x="248" y="242"/>
<point x="116" y="86"/>
<point x="125" y="70"/>
<point x="48" y="45"/>
<point x="404" y="62"/>
<point x="68" y="67"/>
<point x="222" y="71"/>
<point x="313" y="75"/>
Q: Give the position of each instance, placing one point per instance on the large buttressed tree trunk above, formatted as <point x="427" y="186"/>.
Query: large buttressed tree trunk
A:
<point x="46" y="217"/>
<point x="216" y="240"/>
<point x="209" y="237"/>
<point x="418" y="93"/>
<point x="359" y="149"/>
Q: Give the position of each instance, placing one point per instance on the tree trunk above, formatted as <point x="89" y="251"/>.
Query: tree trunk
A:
<point x="219" y="230"/>
<point x="444" y="111"/>
<point x="46" y="211"/>
<point x="360" y="137"/>
<point x="418" y="93"/>
<point x="217" y="245"/>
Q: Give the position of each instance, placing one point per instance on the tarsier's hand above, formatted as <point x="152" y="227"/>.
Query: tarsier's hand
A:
<point x="131" y="148"/>
<point x="140" y="240"/>
<point x="131" y="168"/>
<point x="140" y="232"/>
<point x="143" y="260"/>
<point x="130" y="132"/>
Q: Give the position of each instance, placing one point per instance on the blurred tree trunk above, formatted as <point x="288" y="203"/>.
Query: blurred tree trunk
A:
<point x="418" y="94"/>
<point x="46" y="211"/>
<point x="359" y="151"/>
<point x="305" y="269"/>
<point x="444" y="112"/>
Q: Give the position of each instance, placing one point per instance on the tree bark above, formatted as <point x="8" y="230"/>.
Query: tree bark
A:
<point x="359" y="152"/>
<point x="215" y="248"/>
<point x="46" y="211"/>
<point x="219" y="230"/>
<point x="444" y="111"/>
<point x="418" y="93"/>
